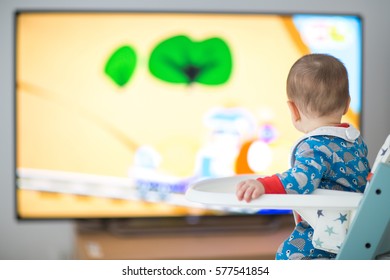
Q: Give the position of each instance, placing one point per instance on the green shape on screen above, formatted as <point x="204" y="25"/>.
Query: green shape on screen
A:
<point x="180" y="60"/>
<point x="121" y="65"/>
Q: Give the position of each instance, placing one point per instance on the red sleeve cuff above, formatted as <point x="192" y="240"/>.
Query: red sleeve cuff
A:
<point x="272" y="185"/>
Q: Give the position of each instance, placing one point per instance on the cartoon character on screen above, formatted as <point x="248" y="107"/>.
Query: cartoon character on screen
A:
<point x="226" y="126"/>
<point x="331" y="155"/>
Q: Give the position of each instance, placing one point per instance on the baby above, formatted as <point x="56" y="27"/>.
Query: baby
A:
<point x="331" y="155"/>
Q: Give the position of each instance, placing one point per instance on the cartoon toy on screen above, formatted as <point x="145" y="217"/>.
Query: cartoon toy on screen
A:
<point x="227" y="129"/>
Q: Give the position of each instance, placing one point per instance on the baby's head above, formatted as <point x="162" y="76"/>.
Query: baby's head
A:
<point x="318" y="85"/>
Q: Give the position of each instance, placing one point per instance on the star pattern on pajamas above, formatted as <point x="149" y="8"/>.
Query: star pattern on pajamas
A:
<point x="342" y="218"/>
<point x="318" y="242"/>
<point x="329" y="230"/>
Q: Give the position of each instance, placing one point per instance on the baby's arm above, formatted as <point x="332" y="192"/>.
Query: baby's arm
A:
<point x="304" y="177"/>
<point x="252" y="189"/>
<point x="249" y="189"/>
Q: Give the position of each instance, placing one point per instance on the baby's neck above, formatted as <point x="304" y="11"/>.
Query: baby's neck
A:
<point x="310" y="124"/>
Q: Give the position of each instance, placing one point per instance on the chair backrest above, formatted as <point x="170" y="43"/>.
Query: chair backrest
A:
<point x="369" y="233"/>
<point x="383" y="155"/>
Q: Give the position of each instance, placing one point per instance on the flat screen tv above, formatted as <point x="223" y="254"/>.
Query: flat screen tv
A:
<point x="118" y="112"/>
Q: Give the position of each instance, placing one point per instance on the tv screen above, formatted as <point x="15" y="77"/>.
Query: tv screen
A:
<point x="118" y="112"/>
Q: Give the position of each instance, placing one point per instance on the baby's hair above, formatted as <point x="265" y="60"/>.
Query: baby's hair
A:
<point x="318" y="84"/>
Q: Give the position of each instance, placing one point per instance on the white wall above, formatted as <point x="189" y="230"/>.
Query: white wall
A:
<point x="54" y="239"/>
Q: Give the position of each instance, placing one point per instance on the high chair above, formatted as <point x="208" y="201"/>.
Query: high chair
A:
<point x="368" y="232"/>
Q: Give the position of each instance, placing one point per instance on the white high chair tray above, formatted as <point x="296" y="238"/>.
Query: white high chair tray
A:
<point x="221" y="192"/>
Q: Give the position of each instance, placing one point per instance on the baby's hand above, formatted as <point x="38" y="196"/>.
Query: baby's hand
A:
<point x="249" y="189"/>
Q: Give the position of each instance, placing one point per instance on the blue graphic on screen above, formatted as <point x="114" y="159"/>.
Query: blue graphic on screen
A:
<point x="337" y="36"/>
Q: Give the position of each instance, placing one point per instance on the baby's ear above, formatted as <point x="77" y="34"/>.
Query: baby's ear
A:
<point x="347" y="106"/>
<point x="295" y="114"/>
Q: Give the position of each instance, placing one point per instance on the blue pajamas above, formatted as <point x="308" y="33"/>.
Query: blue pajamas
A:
<point x="299" y="245"/>
<point x="326" y="162"/>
